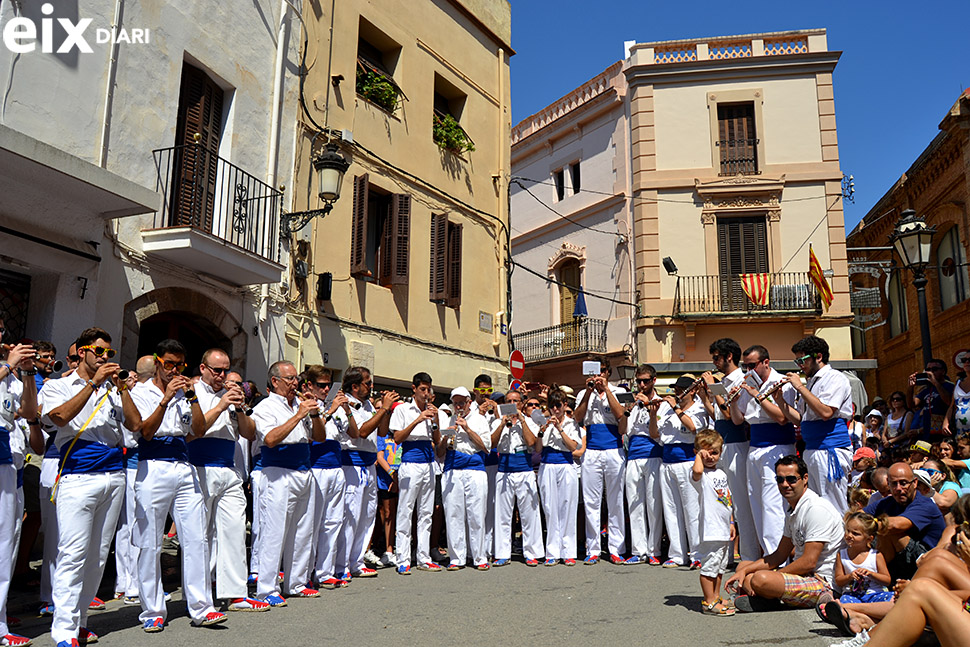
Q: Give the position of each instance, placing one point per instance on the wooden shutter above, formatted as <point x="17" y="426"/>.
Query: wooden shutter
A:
<point x="358" y="226"/>
<point x="569" y="276"/>
<point x="742" y="249"/>
<point x="454" y="265"/>
<point x="737" y="138"/>
<point x="196" y="171"/>
<point x="439" y="245"/>
<point x="400" y="223"/>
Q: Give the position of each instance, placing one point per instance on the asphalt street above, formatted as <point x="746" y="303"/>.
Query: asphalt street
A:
<point x="509" y="606"/>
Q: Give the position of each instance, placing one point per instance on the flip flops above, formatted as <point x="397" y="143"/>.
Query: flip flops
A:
<point x="836" y="615"/>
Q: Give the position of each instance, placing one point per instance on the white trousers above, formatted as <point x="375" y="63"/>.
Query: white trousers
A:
<point x="645" y="504"/>
<point x="559" y="485"/>
<point x="416" y="492"/>
<point x="767" y="504"/>
<point x="163" y="488"/>
<point x="521" y="487"/>
<point x="225" y="507"/>
<point x="329" y="486"/>
<point x="48" y="526"/>
<point x="681" y="510"/>
<point x="463" y="495"/>
<point x="87" y="506"/>
<point x="126" y="555"/>
<point x="836" y="492"/>
<point x="360" y="512"/>
<point x="603" y="471"/>
<point x="491" y="474"/>
<point x="734" y="462"/>
<point x="257" y="484"/>
<point x="286" y="530"/>
<point x="11" y="515"/>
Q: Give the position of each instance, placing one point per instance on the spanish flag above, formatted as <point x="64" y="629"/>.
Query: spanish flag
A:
<point x="818" y="278"/>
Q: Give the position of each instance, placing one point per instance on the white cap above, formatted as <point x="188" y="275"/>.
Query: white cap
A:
<point x="459" y="390"/>
<point x="874" y="412"/>
<point x="924" y="477"/>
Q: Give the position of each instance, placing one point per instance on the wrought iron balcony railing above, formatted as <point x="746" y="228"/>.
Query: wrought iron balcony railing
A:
<point x="581" y="335"/>
<point x="723" y="293"/>
<point x="738" y="156"/>
<point x="208" y="193"/>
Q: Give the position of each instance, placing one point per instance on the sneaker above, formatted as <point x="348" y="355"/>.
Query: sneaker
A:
<point x="860" y="639"/>
<point x="653" y="560"/>
<point x="86" y="636"/>
<point x="346" y="576"/>
<point x="370" y="557"/>
<point x="403" y="569"/>
<point x="306" y="592"/>
<point x="387" y="559"/>
<point x="429" y="566"/>
<point x="694" y="565"/>
<point x="366" y="572"/>
<point x="211" y="618"/>
<point x="616" y="559"/>
<point x="591" y="560"/>
<point x="671" y="564"/>
<point x="119" y="595"/>
<point x="248" y="604"/>
<point x="550" y="562"/>
<point x="605" y="532"/>
<point x="153" y="626"/>
<point x="500" y="562"/>
<point x="634" y="560"/>
<point x="19" y="641"/>
<point x="569" y="562"/>
<point x="97" y="604"/>
<point x="454" y="566"/>
<point x="274" y="600"/>
<point x="483" y="567"/>
<point x="64" y="643"/>
<point x="131" y="600"/>
<point x="46" y="609"/>
<point x="532" y="562"/>
<point x="252" y="580"/>
<point x="332" y="583"/>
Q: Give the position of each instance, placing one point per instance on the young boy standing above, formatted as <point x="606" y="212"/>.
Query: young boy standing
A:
<point x="716" y="529"/>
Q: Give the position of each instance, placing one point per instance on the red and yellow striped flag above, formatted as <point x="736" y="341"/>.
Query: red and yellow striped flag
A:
<point x="757" y="287"/>
<point x="818" y="278"/>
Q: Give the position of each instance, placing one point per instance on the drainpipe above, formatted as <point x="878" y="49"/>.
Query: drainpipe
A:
<point x="110" y="89"/>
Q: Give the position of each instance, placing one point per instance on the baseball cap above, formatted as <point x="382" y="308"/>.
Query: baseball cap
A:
<point x="459" y="390"/>
<point x="874" y="412"/>
<point x="924" y="477"/>
<point x="683" y="382"/>
<point x="863" y="452"/>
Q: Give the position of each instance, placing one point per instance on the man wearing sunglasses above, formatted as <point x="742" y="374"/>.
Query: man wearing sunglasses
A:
<point x="213" y="456"/>
<point x="822" y="408"/>
<point x="813" y="529"/>
<point x="487" y="407"/>
<point x="642" y="475"/>
<point x="167" y="483"/>
<point x="91" y="408"/>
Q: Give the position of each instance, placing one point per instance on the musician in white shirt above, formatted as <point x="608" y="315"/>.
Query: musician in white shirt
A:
<point x="558" y="480"/>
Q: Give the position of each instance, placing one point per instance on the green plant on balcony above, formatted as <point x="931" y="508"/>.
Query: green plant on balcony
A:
<point x="447" y="134"/>
<point x="377" y="89"/>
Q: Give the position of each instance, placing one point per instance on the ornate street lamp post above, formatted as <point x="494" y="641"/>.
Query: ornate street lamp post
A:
<point x="913" y="241"/>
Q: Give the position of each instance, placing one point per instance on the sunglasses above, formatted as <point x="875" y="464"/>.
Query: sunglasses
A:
<point x="803" y="359"/>
<point x="217" y="371"/>
<point x="74" y="358"/>
<point x="100" y="351"/>
<point x="750" y="366"/>
<point x="931" y="472"/>
<point x="645" y="380"/>
<point x="790" y="479"/>
<point x="532" y="404"/>
<point x="325" y="385"/>
<point x="484" y="390"/>
<point x="168" y="364"/>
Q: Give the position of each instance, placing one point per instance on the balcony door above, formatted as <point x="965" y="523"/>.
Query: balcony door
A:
<point x="742" y="249"/>
<point x="569" y="276"/>
<point x="197" y="135"/>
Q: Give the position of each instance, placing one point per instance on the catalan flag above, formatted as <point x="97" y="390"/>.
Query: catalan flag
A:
<point x="757" y="287"/>
<point x="818" y="278"/>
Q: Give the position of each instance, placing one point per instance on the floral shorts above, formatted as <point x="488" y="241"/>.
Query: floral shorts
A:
<point x="803" y="591"/>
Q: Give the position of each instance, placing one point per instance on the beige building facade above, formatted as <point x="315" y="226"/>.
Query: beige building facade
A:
<point x="407" y="272"/>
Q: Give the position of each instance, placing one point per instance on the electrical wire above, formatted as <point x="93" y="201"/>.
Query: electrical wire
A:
<point x="572" y="287"/>
<point x="564" y="217"/>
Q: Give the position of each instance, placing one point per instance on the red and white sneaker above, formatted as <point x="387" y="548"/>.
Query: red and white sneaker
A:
<point x="248" y="604"/>
<point x="13" y="640"/>
<point x="332" y="583"/>
<point x="211" y="618"/>
<point x="366" y="572"/>
<point x="86" y="636"/>
<point x="306" y="592"/>
<point x="429" y="566"/>
<point x="97" y="604"/>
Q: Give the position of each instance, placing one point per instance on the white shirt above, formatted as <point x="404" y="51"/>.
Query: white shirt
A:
<point x="670" y="427"/>
<point x="716" y="503"/>
<point x="365" y="412"/>
<point x="815" y="519"/>
<point x="226" y="426"/>
<point x="476" y="422"/>
<point x="11" y="390"/>
<point x="512" y="439"/>
<point x="177" y="419"/>
<point x="106" y="425"/>
<point x="754" y="413"/>
<point x="833" y="389"/>
<point x="698" y="414"/>
<point x="598" y="410"/>
<point x="272" y="411"/>
<point x="403" y="415"/>
<point x="731" y="380"/>
<point x="552" y="437"/>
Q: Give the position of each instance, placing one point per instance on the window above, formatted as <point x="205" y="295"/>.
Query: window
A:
<point x="197" y="158"/>
<point x="380" y="234"/>
<point x="742" y="249"/>
<point x="898" y="316"/>
<point x="14" y="298"/>
<point x="449" y="106"/>
<point x="377" y="57"/>
<point x="559" y="179"/>
<point x="445" y="261"/>
<point x="574" y="176"/>
<point x="569" y="276"/>
<point x="953" y="271"/>
<point x="737" y="138"/>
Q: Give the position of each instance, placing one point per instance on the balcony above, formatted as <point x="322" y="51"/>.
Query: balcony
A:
<point x="215" y="218"/>
<point x="711" y="295"/>
<point x="582" y="335"/>
<point x="738" y="156"/>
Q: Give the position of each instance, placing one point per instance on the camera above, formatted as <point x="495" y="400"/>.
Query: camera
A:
<point x="922" y="379"/>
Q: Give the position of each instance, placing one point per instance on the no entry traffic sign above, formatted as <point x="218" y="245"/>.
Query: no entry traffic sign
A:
<point x="517" y="364"/>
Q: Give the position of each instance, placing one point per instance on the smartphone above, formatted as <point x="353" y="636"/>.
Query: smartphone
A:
<point x="591" y="368"/>
<point x="922" y="379"/>
<point x="625" y="398"/>
<point x="531" y="386"/>
<point x="507" y="409"/>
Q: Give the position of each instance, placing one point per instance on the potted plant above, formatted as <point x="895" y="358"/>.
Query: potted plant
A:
<point x="377" y="89"/>
<point x="449" y="135"/>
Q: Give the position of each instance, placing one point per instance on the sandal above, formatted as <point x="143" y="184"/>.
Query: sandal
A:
<point x="713" y="610"/>
<point x="836" y="615"/>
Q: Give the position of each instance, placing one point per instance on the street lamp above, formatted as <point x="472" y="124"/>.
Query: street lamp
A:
<point x="330" y="166"/>
<point x="913" y="241"/>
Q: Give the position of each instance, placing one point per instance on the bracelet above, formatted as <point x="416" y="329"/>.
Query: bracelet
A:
<point x="93" y="386"/>
<point x="28" y="371"/>
<point x="6" y="366"/>
<point x="193" y="400"/>
<point x="328" y="417"/>
<point x="35" y="421"/>
<point x="315" y="414"/>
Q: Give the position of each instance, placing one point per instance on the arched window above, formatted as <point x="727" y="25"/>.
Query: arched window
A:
<point x="569" y="276"/>
<point x="898" y="316"/>
<point x="953" y="272"/>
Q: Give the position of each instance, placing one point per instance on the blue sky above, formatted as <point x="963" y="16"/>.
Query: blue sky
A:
<point x="903" y="64"/>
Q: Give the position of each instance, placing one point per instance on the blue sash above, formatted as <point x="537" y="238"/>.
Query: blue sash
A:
<point x="829" y="435"/>
<point x="51" y="450"/>
<point x="599" y="436"/>
<point x="460" y="461"/>
<point x="766" y="434"/>
<point x="212" y="452"/>
<point x="166" y="448"/>
<point x="514" y="463"/>
<point x="88" y="457"/>
<point x="730" y="432"/>
<point x="325" y="455"/>
<point x="417" y="451"/>
<point x="491" y="458"/>
<point x="6" y="456"/>
<point x="131" y="458"/>
<point x="678" y="453"/>
<point x="292" y="456"/>
<point x="258" y="463"/>
<point x="644" y="447"/>
<point x="20" y="478"/>
<point x="354" y="457"/>
<point x="552" y="456"/>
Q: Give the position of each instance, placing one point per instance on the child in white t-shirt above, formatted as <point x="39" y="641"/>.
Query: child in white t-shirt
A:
<point x="715" y="523"/>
